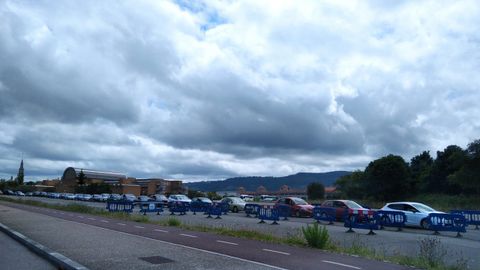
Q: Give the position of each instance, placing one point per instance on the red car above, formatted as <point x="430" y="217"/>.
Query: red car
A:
<point x="342" y="206"/>
<point x="298" y="206"/>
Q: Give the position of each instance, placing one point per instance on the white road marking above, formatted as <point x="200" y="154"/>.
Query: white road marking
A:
<point x="62" y="213"/>
<point x="275" y="251"/>
<point x="104" y="221"/>
<point x="80" y="216"/>
<point x="341" y="264"/>
<point x="228" y="243"/>
<point x="182" y="246"/>
<point x="139" y="227"/>
<point x="92" y="218"/>
<point x="121" y="224"/>
<point x="188" y="235"/>
<point x="158" y="230"/>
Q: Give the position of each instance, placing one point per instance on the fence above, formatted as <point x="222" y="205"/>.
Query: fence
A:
<point x="447" y="222"/>
<point x="120" y="206"/>
<point x="324" y="214"/>
<point x="178" y="207"/>
<point x="472" y="217"/>
<point x="268" y="213"/>
<point x="284" y="211"/>
<point x="394" y="219"/>
<point x="251" y="209"/>
<point x="150" y="207"/>
<point x="215" y="209"/>
<point x="361" y="219"/>
<point x="198" y="206"/>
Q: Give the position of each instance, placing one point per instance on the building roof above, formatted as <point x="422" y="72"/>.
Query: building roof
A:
<point x="94" y="174"/>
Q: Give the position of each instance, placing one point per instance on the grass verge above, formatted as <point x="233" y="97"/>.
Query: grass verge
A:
<point x="430" y="257"/>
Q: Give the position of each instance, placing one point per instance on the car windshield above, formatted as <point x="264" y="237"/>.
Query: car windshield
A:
<point x="423" y="207"/>
<point x="352" y="204"/>
<point x="237" y="200"/>
<point x="182" y="197"/>
<point x="299" y="201"/>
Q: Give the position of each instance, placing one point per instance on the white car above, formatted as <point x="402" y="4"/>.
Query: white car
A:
<point x="179" y="198"/>
<point x="70" y="196"/>
<point x="129" y="197"/>
<point x="415" y="212"/>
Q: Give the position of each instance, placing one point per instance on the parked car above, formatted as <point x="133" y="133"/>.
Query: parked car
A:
<point x="202" y="200"/>
<point x="87" y="197"/>
<point x="247" y="198"/>
<point x="105" y="197"/>
<point x="129" y="197"/>
<point x="97" y="197"/>
<point x="235" y="203"/>
<point x="9" y="192"/>
<point x="179" y="198"/>
<point x="79" y="196"/>
<point x="415" y="212"/>
<point x="116" y="197"/>
<point x="43" y="194"/>
<point x="70" y="196"/>
<point x="299" y="207"/>
<point x="160" y="198"/>
<point x="342" y="206"/>
<point x="29" y="194"/>
<point x="143" y="198"/>
<point x="19" y="193"/>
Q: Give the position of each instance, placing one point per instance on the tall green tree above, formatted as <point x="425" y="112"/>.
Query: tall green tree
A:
<point x="448" y="162"/>
<point x="387" y="178"/>
<point x="420" y="171"/>
<point x="81" y="178"/>
<point x="315" y="191"/>
<point x="468" y="176"/>
<point x="352" y="185"/>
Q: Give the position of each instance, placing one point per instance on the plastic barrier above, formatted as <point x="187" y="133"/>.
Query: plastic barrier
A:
<point x="150" y="207"/>
<point x="215" y="209"/>
<point x="225" y="208"/>
<point x="251" y="209"/>
<point x="120" y="206"/>
<point x="324" y="214"/>
<point x="472" y="217"/>
<point x="394" y="219"/>
<point x="266" y="212"/>
<point x="199" y="207"/>
<point x="178" y="207"/>
<point x="284" y="211"/>
<point x="447" y="222"/>
<point x="361" y="219"/>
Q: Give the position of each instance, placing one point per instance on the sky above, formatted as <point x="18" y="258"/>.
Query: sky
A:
<point x="200" y="90"/>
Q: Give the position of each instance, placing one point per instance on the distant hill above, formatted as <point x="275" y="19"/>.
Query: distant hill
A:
<point x="251" y="183"/>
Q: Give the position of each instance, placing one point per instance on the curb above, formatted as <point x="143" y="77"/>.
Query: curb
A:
<point x="56" y="258"/>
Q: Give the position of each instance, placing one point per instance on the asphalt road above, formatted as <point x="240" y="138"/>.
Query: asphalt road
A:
<point x="388" y="242"/>
<point x="15" y="256"/>
<point x="101" y="243"/>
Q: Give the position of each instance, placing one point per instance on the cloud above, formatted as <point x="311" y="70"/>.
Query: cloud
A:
<point x="207" y="89"/>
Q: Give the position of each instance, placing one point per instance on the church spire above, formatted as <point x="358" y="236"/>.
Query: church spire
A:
<point x="20" y="174"/>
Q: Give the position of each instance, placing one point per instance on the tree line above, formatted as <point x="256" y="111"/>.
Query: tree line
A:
<point x="453" y="171"/>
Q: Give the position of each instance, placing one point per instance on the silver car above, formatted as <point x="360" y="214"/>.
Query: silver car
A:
<point x="235" y="203"/>
<point x="415" y="212"/>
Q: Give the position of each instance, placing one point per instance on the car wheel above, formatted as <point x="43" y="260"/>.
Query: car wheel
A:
<point x="424" y="224"/>
<point x="235" y="209"/>
<point x="297" y="214"/>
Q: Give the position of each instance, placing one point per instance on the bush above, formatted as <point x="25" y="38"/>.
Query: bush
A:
<point x="173" y="222"/>
<point x="315" y="236"/>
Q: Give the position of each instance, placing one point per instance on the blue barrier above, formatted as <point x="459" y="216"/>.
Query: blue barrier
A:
<point x="225" y="207"/>
<point x="361" y="219"/>
<point x="199" y="207"/>
<point x="472" y="217"/>
<point x="150" y="207"/>
<point x="215" y="209"/>
<point x="120" y="206"/>
<point x="178" y="207"/>
<point x="268" y="213"/>
<point x="251" y="209"/>
<point x="394" y="219"/>
<point x="447" y="222"/>
<point x="284" y="211"/>
<point x="324" y="214"/>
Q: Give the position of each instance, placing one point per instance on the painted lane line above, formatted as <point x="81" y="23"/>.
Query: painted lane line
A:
<point x="92" y="218"/>
<point x="80" y="216"/>
<point x="341" y="264"/>
<point x="188" y="235"/>
<point x="139" y="227"/>
<point x="275" y="251"/>
<point x="104" y="221"/>
<point x="121" y="224"/>
<point x="158" y="230"/>
<point x="228" y="243"/>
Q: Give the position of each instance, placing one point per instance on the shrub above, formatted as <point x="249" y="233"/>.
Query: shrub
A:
<point x="432" y="251"/>
<point x="173" y="222"/>
<point x="315" y="236"/>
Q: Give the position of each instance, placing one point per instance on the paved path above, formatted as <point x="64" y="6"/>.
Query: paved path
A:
<point x="101" y="243"/>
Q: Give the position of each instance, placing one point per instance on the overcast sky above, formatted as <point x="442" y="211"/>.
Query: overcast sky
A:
<point x="198" y="90"/>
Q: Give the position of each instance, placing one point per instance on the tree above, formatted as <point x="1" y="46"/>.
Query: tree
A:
<point x="387" y="178"/>
<point x="315" y="191"/>
<point x="81" y="178"/>
<point x="212" y="195"/>
<point x="352" y="185"/>
<point x="447" y="163"/>
<point x="468" y="177"/>
<point x="195" y="193"/>
<point x="420" y="171"/>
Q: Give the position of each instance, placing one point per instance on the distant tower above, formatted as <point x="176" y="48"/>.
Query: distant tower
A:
<point x="20" y="174"/>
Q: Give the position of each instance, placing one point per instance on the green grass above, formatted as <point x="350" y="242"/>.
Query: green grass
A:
<point x="316" y="236"/>
<point x="430" y="258"/>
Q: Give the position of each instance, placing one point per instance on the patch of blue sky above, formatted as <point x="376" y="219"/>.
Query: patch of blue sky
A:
<point x="212" y="18"/>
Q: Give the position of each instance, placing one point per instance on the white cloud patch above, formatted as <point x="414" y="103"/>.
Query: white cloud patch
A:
<point x="208" y="89"/>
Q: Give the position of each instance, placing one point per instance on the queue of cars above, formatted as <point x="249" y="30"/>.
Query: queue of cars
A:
<point x="416" y="213"/>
